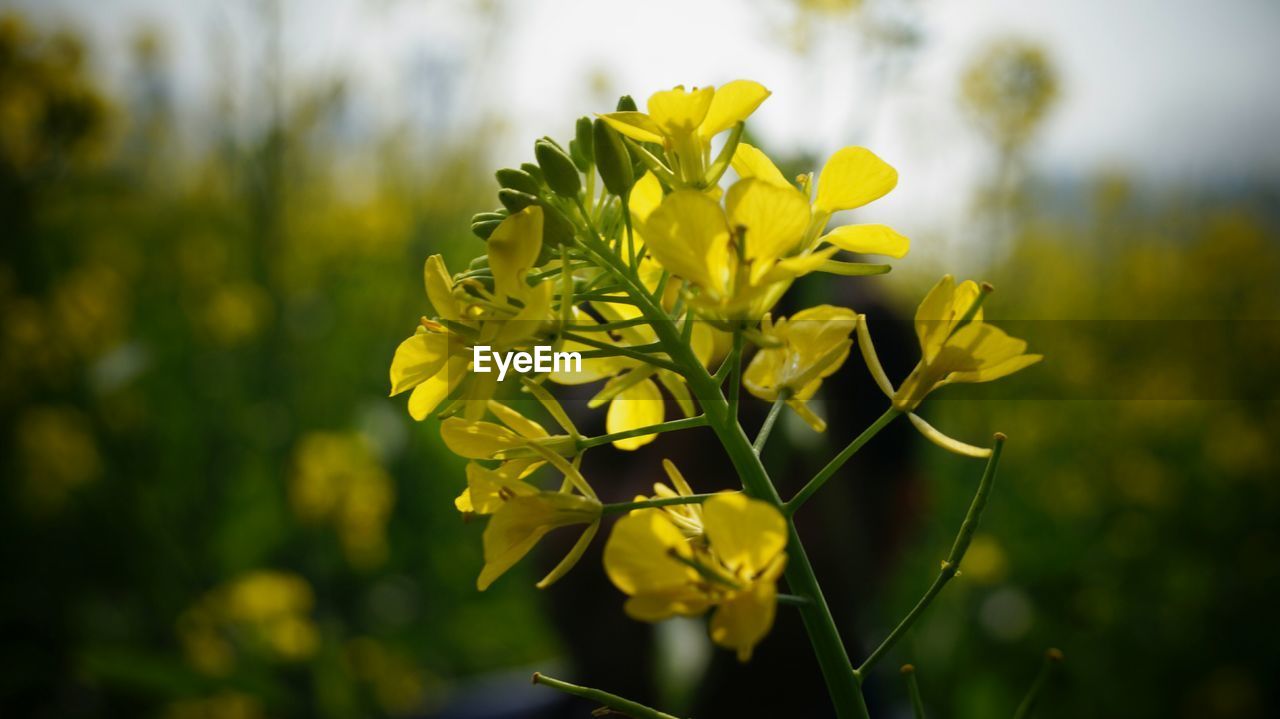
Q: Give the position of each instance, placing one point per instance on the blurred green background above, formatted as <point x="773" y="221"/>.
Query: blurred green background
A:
<point x="211" y="509"/>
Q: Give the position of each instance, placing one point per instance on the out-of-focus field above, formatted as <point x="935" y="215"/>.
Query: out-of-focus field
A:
<point x="211" y="509"/>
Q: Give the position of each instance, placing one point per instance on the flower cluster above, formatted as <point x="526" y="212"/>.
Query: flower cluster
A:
<point x="628" y="246"/>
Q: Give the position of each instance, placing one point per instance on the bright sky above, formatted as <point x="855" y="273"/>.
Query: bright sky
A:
<point x="1175" y="91"/>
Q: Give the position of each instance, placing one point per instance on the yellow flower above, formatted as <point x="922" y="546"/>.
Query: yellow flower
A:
<point x="733" y="565"/>
<point x="434" y="362"/>
<point x="956" y="351"/>
<point x="740" y="258"/>
<point x="684" y="122"/>
<point x="812" y="344"/>
<point x="515" y="441"/>
<point x="337" y="480"/>
<point x="852" y="177"/>
<point x="522" y="514"/>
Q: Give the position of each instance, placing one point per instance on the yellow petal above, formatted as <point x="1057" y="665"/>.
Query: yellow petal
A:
<point x="521" y="521"/>
<point x="934" y="317"/>
<point x="994" y="372"/>
<point x="528" y="322"/>
<point x="751" y="162"/>
<point x="853" y="177"/>
<point x="793" y="267"/>
<point x="645" y="197"/>
<point x="440" y="288"/>
<point x="428" y="395"/>
<point x="745" y="618"/>
<point x="688" y="235"/>
<point x="513" y="248"/>
<point x="522" y="425"/>
<point x="869" y="240"/>
<point x="640" y="405"/>
<point x="679" y="112"/>
<point x="635" y="125"/>
<point x="477" y="440"/>
<point x="488" y="489"/>
<point x="657" y="606"/>
<point x="418" y="359"/>
<point x="637" y="556"/>
<point x="746" y="534"/>
<point x="976" y="347"/>
<point x="775" y="217"/>
<point x="732" y="103"/>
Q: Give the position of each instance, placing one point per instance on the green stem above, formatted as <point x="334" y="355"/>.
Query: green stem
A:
<point x="735" y="375"/>
<point x="767" y="428"/>
<point x="672" y="425"/>
<point x="625" y="351"/>
<point x="913" y="691"/>
<point x="951" y="565"/>
<point x="794" y="600"/>
<point x="619" y="507"/>
<point x="627" y="707"/>
<point x="838" y="461"/>
<point x="1052" y="659"/>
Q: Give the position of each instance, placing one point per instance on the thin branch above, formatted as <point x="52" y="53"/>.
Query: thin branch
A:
<point x="672" y="425"/>
<point x="626" y="707"/>
<point x="618" y="507"/>
<point x="1052" y="659"/>
<point x="951" y="565"/>
<point x="767" y="428"/>
<point x="838" y="461"/>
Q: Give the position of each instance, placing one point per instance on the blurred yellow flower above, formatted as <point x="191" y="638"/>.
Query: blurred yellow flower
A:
<point x="224" y="705"/>
<point x="733" y="565"/>
<point x="57" y="453"/>
<point x="955" y="350"/>
<point x="337" y="480"/>
<point x="263" y="611"/>
<point x="811" y="345"/>
<point x="684" y="122"/>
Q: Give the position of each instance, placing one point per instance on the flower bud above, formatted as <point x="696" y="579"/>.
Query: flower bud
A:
<point x="561" y="173"/>
<point x="581" y="149"/>
<point x="515" y="200"/>
<point x="626" y="104"/>
<point x="484" y="228"/>
<point x="517" y="180"/>
<point x="500" y="214"/>
<point x="534" y="171"/>
<point x="612" y="159"/>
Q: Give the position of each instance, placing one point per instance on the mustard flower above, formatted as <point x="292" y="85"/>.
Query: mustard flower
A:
<point x="521" y="514"/>
<point x="733" y="566"/>
<point x="953" y="350"/>
<point x="851" y="178"/>
<point x="810" y="346"/>
<point x="683" y="122"/>
<point x="434" y="362"/>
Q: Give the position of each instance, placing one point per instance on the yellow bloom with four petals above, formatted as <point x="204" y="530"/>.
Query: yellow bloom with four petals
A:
<point x="683" y="122"/>
<point x="954" y="350"/>
<point x="811" y="345"/>
<point x="434" y="363"/>
<point x="733" y="565"/>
